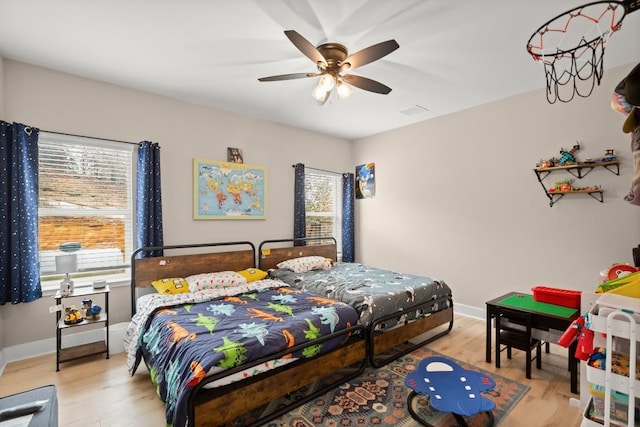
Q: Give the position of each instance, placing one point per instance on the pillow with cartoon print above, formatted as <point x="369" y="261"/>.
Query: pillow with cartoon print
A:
<point x="307" y="263"/>
<point x="217" y="280"/>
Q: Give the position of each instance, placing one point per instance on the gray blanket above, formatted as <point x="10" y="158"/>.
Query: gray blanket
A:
<point x="373" y="292"/>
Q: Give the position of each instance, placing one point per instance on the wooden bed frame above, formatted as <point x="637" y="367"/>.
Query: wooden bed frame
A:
<point x="216" y="406"/>
<point x="401" y="340"/>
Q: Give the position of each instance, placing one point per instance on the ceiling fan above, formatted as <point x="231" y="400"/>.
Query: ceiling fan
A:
<point x="333" y="62"/>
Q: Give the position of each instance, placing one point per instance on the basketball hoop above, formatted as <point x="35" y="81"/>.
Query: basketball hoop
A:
<point x="571" y="47"/>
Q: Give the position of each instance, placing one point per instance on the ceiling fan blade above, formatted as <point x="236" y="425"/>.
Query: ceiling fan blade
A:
<point x="368" y="55"/>
<point x="287" y="77"/>
<point x="307" y="48"/>
<point x="366" y="84"/>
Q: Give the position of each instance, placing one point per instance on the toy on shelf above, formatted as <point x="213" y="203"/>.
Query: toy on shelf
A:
<point x="621" y="279"/>
<point x="589" y="188"/>
<point x="619" y="270"/>
<point x="563" y="186"/>
<point x="543" y="164"/>
<point x="567" y="157"/>
<point x="72" y="315"/>
<point x="92" y="312"/>
<point x="609" y="156"/>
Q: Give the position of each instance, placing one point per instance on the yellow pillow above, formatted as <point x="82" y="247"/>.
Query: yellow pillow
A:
<point x="253" y="274"/>
<point x="171" y="286"/>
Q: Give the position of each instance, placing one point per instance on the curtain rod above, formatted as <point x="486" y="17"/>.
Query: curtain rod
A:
<point x="322" y="170"/>
<point x="92" y="137"/>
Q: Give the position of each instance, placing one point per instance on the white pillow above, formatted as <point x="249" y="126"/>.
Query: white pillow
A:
<point x="220" y="279"/>
<point x="306" y="263"/>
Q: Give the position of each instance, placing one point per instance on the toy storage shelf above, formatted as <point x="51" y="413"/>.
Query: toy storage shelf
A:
<point x="74" y="352"/>
<point x="619" y="329"/>
<point x="579" y="170"/>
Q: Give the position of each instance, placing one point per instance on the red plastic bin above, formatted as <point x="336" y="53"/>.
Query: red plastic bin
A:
<point x="564" y="297"/>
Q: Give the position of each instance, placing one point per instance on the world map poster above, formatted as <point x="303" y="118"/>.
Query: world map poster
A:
<point x="224" y="190"/>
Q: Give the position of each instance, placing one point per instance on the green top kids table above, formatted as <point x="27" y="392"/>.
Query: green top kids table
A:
<point x="546" y="317"/>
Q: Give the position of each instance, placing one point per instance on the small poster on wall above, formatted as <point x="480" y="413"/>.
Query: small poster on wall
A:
<point x="227" y="190"/>
<point x="365" y="181"/>
<point x="234" y="155"/>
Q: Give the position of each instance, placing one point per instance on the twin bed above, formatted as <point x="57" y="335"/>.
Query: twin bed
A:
<point x="233" y="344"/>
<point x="393" y="307"/>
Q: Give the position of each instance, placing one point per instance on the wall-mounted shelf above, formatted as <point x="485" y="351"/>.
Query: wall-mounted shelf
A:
<point x="579" y="170"/>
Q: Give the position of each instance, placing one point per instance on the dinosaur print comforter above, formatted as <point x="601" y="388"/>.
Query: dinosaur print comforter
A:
<point x="183" y="337"/>
<point x="373" y="292"/>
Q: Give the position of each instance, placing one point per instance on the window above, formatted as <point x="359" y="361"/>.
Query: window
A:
<point x="323" y="204"/>
<point x="85" y="205"/>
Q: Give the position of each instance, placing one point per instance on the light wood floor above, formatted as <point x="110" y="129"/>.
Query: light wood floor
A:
<point x="99" y="392"/>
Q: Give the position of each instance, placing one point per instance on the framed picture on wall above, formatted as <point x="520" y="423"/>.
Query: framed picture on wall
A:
<point x="234" y="155"/>
<point x="366" y="181"/>
<point x="227" y="190"/>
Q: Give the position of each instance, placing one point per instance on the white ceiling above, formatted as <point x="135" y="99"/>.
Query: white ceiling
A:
<point x="453" y="55"/>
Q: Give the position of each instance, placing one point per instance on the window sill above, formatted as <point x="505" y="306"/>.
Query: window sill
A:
<point x="50" y="287"/>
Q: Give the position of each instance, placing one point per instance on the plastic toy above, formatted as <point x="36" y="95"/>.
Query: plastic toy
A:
<point x="72" y="315"/>
<point x="546" y="163"/>
<point x="585" y="344"/>
<point x="92" y="312"/>
<point x="561" y="187"/>
<point x="567" y="157"/>
<point x="609" y="156"/>
<point x="627" y="285"/>
<point x="572" y="332"/>
<point x="619" y="270"/>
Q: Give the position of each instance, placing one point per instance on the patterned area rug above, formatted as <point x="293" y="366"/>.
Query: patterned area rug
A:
<point x="378" y="397"/>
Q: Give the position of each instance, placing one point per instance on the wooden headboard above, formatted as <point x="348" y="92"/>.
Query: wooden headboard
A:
<point x="271" y="252"/>
<point x="201" y="258"/>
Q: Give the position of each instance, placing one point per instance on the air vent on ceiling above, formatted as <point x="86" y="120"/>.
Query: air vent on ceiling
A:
<point x="412" y="111"/>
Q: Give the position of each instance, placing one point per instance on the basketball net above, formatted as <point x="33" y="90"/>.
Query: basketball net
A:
<point x="571" y="48"/>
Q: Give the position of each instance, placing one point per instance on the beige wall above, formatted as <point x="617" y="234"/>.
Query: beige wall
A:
<point x="456" y="196"/>
<point x="61" y="102"/>
<point x="467" y="207"/>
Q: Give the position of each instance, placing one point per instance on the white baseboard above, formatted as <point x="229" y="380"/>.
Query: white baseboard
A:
<point x="3" y="362"/>
<point x="470" y="311"/>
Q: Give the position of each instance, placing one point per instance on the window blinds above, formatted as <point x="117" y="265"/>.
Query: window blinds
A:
<point x="323" y="203"/>
<point x="85" y="202"/>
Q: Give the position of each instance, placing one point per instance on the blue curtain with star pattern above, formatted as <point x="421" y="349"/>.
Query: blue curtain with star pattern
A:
<point x="348" y="229"/>
<point x="149" y="231"/>
<point x="19" y="260"/>
<point x="299" y="208"/>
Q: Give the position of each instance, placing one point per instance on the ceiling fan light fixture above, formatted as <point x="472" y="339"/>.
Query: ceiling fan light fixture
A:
<point x="332" y="61"/>
<point x="343" y="89"/>
<point x="327" y="82"/>
<point x="319" y="93"/>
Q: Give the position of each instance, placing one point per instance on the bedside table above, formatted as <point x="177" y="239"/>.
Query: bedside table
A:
<point x="79" y="351"/>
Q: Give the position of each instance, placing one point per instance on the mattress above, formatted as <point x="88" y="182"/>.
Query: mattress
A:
<point x="373" y="292"/>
